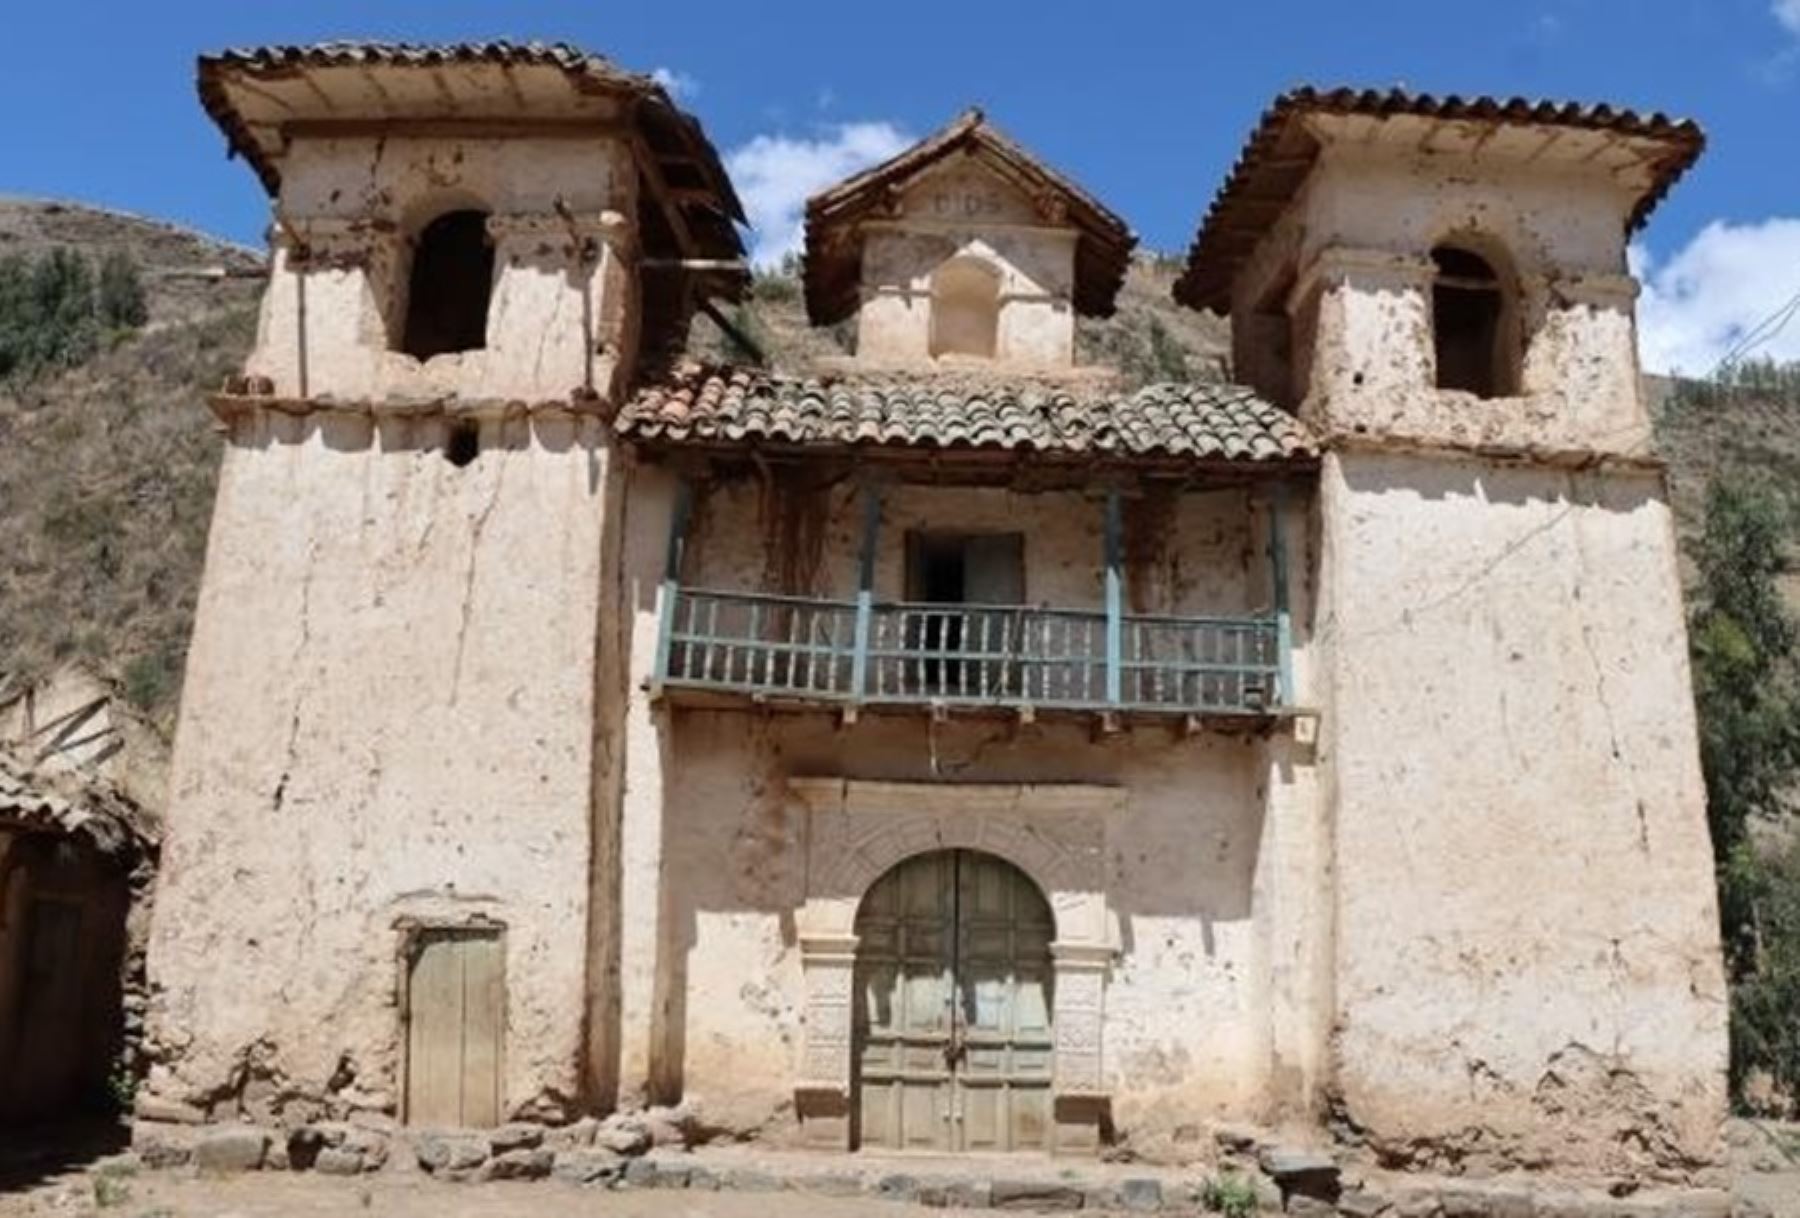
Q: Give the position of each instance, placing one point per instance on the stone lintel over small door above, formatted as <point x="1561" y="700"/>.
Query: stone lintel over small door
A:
<point x="858" y="830"/>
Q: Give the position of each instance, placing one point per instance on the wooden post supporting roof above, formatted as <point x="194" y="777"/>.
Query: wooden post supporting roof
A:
<point x="865" y="592"/>
<point x="671" y="583"/>
<point x="1115" y="599"/>
<point x="1284" y="629"/>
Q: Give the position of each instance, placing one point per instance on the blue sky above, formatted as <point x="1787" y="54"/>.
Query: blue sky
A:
<point x="1145" y="103"/>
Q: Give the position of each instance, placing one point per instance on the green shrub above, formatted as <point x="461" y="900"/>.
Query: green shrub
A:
<point x="1229" y="1194"/>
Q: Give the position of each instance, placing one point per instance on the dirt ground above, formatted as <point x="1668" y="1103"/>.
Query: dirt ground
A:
<point x="1765" y="1162"/>
<point x="267" y="1194"/>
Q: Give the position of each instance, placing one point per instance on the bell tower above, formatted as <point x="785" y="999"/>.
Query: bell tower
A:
<point x="393" y="748"/>
<point x="1524" y="931"/>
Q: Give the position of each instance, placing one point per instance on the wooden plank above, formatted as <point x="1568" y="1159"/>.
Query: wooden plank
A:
<point x="434" y="1014"/>
<point x="483" y="993"/>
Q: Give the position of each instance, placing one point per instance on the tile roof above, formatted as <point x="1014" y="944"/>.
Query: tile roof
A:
<point x="834" y="215"/>
<point x="1280" y="152"/>
<point x="250" y="92"/>
<point x="41" y="803"/>
<point x="738" y="405"/>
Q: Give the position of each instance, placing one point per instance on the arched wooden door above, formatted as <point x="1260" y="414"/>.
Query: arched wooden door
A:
<point x="952" y="1020"/>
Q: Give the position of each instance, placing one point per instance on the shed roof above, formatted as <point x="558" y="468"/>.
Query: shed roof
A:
<point x="1281" y="151"/>
<point x="834" y="217"/>
<point x="67" y="804"/>
<point x="727" y="405"/>
<point x="256" y="95"/>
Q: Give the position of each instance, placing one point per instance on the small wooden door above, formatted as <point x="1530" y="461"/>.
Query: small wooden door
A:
<point x="455" y="1014"/>
<point x="952" y="1022"/>
<point x="50" y="1067"/>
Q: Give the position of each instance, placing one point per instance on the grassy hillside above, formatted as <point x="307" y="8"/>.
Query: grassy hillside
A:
<point x="107" y="470"/>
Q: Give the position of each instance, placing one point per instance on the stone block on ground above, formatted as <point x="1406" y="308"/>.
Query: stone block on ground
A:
<point x="896" y="1186"/>
<point x="515" y="1135"/>
<point x="588" y="1165"/>
<point x="1476" y="1201"/>
<point x="231" y="1148"/>
<point x="336" y="1161"/>
<point x="1040" y="1195"/>
<point x="450" y="1153"/>
<point x="573" y="1136"/>
<point x="1141" y="1195"/>
<point x="1364" y="1204"/>
<point x="525" y="1163"/>
<point x="651" y="1172"/>
<point x="749" y="1180"/>
<point x="623" y="1133"/>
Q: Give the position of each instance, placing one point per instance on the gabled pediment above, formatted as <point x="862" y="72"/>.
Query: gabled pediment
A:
<point x="971" y="174"/>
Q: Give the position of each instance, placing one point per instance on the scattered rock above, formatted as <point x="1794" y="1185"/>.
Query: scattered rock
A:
<point x="749" y="1180"/>
<point x="1236" y="1139"/>
<point x="1306" y="1173"/>
<point x="897" y="1187"/>
<point x="831" y="1184"/>
<point x="588" y="1165"/>
<point x="154" y="1108"/>
<point x="573" y="1136"/>
<point x="231" y="1148"/>
<point x="1034" y="1195"/>
<point x="703" y="1179"/>
<point x="160" y="1145"/>
<point x="623" y="1133"/>
<point x="1470" y="1201"/>
<point x="670" y="1126"/>
<point x="336" y="1161"/>
<point x="657" y="1173"/>
<point x="524" y="1163"/>
<point x="1140" y="1195"/>
<point x="515" y="1135"/>
<point x="1302" y="1206"/>
<point x="440" y="1153"/>
<point x="1363" y="1204"/>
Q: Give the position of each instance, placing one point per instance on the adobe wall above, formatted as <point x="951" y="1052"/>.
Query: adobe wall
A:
<point x="964" y="209"/>
<point x="1528" y="969"/>
<point x="562" y="312"/>
<point x="1216" y="1003"/>
<point x="1351" y="261"/>
<point x="388" y="720"/>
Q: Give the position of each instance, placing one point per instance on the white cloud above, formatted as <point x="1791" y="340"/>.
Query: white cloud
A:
<point x="1699" y="304"/>
<point x="775" y="173"/>
<point x="680" y="85"/>
<point x="1787" y="12"/>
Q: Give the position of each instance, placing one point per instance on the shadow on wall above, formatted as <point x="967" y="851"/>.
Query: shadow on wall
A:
<point x="447" y="433"/>
<point x="1490" y="482"/>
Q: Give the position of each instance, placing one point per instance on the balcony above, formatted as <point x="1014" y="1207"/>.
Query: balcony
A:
<point x="719" y="645"/>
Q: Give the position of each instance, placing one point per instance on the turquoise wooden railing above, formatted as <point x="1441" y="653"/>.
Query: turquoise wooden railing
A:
<point x="866" y="652"/>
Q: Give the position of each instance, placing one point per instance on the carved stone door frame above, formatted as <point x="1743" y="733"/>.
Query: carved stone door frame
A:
<point x="857" y="830"/>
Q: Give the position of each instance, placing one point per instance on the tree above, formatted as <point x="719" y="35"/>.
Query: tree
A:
<point x="1745" y="691"/>
<point x="121" y="299"/>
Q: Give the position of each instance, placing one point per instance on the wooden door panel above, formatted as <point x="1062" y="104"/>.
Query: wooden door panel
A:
<point x="455" y="1008"/>
<point x="952" y="1021"/>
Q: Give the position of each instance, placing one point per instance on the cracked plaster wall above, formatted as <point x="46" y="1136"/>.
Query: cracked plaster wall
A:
<point x="1528" y="970"/>
<point x="389" y="716"/>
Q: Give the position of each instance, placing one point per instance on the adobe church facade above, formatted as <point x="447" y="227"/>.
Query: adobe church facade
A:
<point x="956" y="750"/>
